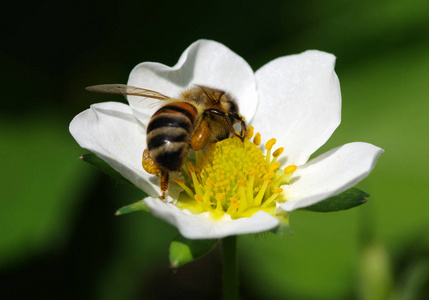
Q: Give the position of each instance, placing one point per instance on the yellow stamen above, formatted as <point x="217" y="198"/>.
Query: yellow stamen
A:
<point x="241" y="182"/>
<point x="220" y="198"/>
<point x="274" y="166"/>
<point x="258" y="198"/>
<point x="257" y="139"/>
<point x="278" y="152"/>
<point x="198" y="198"/>
<point x="243" y="199"/>
<point x="183" y="186"/>
<point x="276" y="192"/>
<point x="233" y="177"/>
<point x="269" y="145"/>
<point x="195" y="182"/>
<point x="191" y="167"/>
<point x="249" y="132"/>
<point x="249" y="190"/>
<point x="268" y="175"/>
<point x="178" y="180"/>
<point x="207" y="193"/>
<point x="234" y="205"/>
<point x="290" y="169"/>
<point x="254" y="172"/>
<point x="201" y="202"/>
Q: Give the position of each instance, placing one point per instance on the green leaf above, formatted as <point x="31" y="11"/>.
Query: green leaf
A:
<point x="347" y="199"/>
<point x="103" y="167"/>
<point x="183" y="251"/>
<point x="136" y="206"/>
<point x="41" y="189"/>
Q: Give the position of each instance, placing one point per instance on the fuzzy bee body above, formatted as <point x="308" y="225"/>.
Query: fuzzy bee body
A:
<point x="198" y="116"/>
<point x="169" y="134"/>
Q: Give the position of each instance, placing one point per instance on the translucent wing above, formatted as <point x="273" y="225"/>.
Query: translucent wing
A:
<point x="124" y="89"/>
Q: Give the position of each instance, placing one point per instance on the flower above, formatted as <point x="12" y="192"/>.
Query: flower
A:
<point x="295" y="99"/>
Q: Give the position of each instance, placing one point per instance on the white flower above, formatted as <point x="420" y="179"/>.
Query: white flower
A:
<point x="295" y="99"/>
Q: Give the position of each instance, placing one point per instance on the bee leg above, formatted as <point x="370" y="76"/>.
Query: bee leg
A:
<point x="240" y="119"/>
<point x="163" y="183"/>
<point x="228" y="121"/>
<point x="151" y="167"/>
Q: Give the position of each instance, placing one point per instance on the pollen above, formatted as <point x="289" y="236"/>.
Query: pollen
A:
<point x="278" y="152"/>
<point x="269" y="145"/>
<point x="290" y="169"/>
<point x="249" y="132"/>
<point x="234" y="177"/>
<point x="257" y="139"/>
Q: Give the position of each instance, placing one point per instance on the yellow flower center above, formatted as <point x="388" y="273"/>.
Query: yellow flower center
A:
<point x="234" y="177"/>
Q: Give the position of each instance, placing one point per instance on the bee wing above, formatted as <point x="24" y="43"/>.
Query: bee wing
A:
<point x="123" y="89"/>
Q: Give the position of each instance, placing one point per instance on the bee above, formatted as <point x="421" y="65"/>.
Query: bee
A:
<point x="199" y="115"/>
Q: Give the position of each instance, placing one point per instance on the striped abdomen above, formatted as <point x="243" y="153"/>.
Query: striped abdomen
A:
<point x="168" y="134"/>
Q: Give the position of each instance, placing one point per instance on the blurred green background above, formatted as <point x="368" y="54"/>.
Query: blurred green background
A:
<point x="59" y="238"/>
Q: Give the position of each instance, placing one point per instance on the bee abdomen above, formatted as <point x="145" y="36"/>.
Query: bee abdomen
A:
<point x="165" y="137"/>
<point x="168" y="134"/>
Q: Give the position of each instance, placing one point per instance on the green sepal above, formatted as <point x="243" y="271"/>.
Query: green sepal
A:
<point x="183" y="251"/>
<point x="346" y="200"/>
<point x="284" y="226"/>
<point x="103" y="167"/>
<point x="136" y="206"/>
<point x="281" y="229"/>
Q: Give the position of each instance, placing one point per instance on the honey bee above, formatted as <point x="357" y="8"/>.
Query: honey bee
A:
<point x="200" y="115"/>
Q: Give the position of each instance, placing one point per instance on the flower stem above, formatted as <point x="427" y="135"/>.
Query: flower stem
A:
<point x="230" y="268"/>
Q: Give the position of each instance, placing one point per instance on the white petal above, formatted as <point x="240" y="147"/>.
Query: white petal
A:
<point x="330" y="174"/>
<point x="111" y="131"/>
<point x="300" y="103"/>
<point x="203" y="227"/>
<point x="204" y="62"/>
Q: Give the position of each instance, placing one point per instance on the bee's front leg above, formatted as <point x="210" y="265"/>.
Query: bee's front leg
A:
<point x="230" y="126"/>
